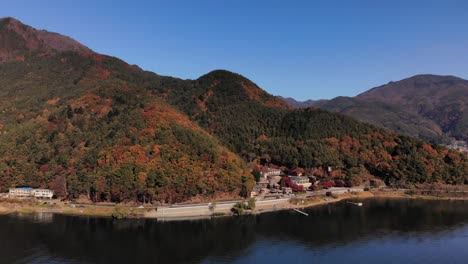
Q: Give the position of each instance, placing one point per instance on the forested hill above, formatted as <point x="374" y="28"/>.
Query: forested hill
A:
<point x="312" y="138"/>
<point x="431" y="107"/>
<point x="82" y="123"/>
<point x="75" y="121"/>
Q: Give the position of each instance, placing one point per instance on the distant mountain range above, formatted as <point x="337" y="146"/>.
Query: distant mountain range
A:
<point x="300" y="104"/>
<point x="430" y="107"/>
<point x="90" y="125"/>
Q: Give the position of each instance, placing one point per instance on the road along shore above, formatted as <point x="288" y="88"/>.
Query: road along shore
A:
<point x="204" y="210"/>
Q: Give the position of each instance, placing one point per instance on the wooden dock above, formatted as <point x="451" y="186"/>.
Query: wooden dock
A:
<point x="299" y="211"/>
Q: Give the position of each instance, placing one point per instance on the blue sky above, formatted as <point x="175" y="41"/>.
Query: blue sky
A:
<point x="303" y="49"/>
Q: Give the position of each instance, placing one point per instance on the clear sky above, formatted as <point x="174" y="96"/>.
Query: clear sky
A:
<point x="303" y="49"/>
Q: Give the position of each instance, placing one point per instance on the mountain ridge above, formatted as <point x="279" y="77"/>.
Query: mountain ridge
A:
<point x="91" y="125"/>
<point x="19" y="39"/>
<point x="429" y="106"/>
<point x="300" y="104"/>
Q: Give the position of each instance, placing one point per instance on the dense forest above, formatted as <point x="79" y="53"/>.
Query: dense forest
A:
<point x="258" y="126"/>
<point x="85" y="124"/>
<point x="80" y="132"/>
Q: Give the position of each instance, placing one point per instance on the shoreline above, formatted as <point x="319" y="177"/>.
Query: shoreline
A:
<point x="200" y="212"/>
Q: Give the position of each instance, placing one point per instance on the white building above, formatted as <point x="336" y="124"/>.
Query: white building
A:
<point x="270" y="172"/>
<point x="301" y="181"/>
<point x="20" y="192"/>
<point x="43" y="193"/>
<point x="30" y="192"/>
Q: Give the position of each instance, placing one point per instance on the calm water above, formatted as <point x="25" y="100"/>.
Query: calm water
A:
<point x="382" y="231"/>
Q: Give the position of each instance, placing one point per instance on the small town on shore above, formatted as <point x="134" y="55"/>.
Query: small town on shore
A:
<point x="273" y="181"/>
<point x="275" y="189"/>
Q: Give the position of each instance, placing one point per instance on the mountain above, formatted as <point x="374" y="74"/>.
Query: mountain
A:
<point x="265" y="130"/>
<point x="87" y="124"/>
<point x="430" y="107"/>
<point x="299" y="104"/>
<point x="18" y="40"/>
<point x="75" y="121"/>
<point x="440" y="101"/>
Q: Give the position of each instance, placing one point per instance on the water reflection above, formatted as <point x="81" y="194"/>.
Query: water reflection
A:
<point x="244" y="239"/>
<point x="39" y="217"/>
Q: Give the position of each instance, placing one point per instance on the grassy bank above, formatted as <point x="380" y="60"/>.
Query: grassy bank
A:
<point x="8" y="206"/>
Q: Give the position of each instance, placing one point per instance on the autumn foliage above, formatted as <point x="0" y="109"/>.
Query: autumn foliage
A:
<point x="89" y="125"/>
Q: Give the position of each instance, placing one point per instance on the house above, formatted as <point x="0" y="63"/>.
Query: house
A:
<point x="20" y="192"/>
<point x="275" y="191"/>
<point x="270" y="172"/>
<point x="274" y="180"/>
<point x="43" y="193"/>
<point x="30" y="192"/>
<point x="255" y="191"/>
<point x="263" y="183"/>
<point x="287" y="190"/>
<point x="301" y="181"/>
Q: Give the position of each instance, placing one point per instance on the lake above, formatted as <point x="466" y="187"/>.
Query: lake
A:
<point x="381" y="231"/>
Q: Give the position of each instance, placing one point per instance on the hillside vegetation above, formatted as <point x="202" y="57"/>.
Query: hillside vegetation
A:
<point x="86" y="124"/>
<point x="314" y="138"/>
<point x="69" y="122"/>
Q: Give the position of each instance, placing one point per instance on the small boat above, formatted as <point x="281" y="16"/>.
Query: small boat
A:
<point x="358" y="204"/>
